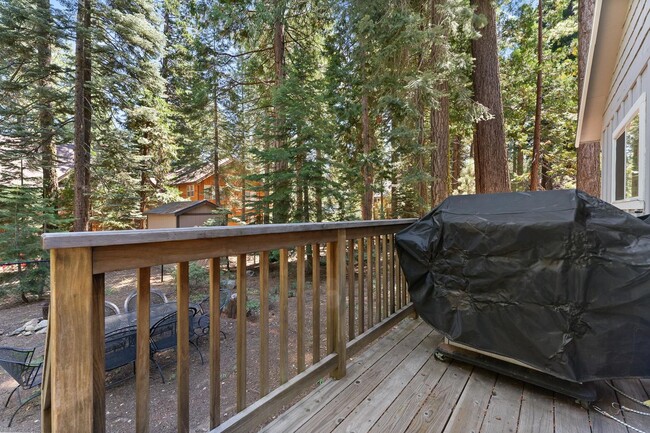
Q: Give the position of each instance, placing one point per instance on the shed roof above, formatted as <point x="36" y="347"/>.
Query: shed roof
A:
<point x="179" y="207"/>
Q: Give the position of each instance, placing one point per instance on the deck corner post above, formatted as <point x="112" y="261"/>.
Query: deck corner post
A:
<point x="70" y="349"/>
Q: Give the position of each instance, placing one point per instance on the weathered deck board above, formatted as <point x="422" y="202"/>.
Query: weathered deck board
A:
<point x="398" y="386"/>
<point x="536" y="414"/>
<point x="347" y="400"/>
<point x="503" y="412"/>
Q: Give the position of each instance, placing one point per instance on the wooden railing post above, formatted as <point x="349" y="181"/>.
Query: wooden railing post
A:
<point x="336" y="305"/>
<point x="72" y="341"/>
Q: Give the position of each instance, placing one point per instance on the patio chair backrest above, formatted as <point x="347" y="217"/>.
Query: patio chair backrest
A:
<point x="157" y="297"/>
<point x="163" y="332"/>
<point x="224" y="297"/>
<point x="21" y="367"/>
<point x="120" y="347"/>
<point x="110" y="309"/>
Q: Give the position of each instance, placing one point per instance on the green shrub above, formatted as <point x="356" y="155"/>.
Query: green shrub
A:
<point x="199" y="276"/>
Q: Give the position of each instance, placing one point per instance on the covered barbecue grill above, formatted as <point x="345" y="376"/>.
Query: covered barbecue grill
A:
<point x="556" y="280"/>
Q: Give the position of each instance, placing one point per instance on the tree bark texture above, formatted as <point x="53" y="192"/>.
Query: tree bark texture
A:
<point x="588" y="154"/>
<point x="589" y="168"/>
<point x="421" y="165"/>
<point x="82" y="118"/>
<point x="456" y="162"/>
<point x="215" y="160"/>
<point x="45" y="116"/>
<point x="490" y="158"/>
<point x="439" y="115"/>
<point x="282" y="204"/>
<point x="366" y="200"/>
<point x="585" y="23"/>
<point x="537" y="133"/>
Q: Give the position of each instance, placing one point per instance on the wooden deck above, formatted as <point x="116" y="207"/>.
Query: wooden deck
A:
<point x="398" y="386"/>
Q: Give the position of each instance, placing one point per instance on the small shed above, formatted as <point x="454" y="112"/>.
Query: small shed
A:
<point x="180" y="214"/>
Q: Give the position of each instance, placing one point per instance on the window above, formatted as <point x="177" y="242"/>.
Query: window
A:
<point x="208" y="192"/>
<point x="190" y="191"/>
<point x="629" y="161"/>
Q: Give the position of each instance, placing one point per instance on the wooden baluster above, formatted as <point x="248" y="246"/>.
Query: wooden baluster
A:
<point x="315" y="301"/>
<point x="351" y="306"/>
<point x="99" y="363"/>
<point x="183" y="347"/>
<point x="215" y="341"/>
<point x="46" y="385"/>
<point x="360" y="297"/>
<point x="378" y="316"/>
<point x="73" y="346"/>
<point x="264" y="323"/>
<point x="371" y="304"/>
<point x="391" y="273"/>
<point x="284" y="316"/>
<point x="143" y="350"/>
<point x="241" y="332"/>
<point x="300" y="307"/>
<point x="384" y="275"/>
<point x="330" y="278"/>
<point x="339" y="298"/>
<point x="398" y="281"/>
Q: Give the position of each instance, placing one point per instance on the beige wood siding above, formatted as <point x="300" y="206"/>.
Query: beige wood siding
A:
<point x="155" y="221"/>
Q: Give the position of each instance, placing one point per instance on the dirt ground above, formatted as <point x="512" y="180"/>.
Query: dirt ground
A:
<point x="120" y="401"/>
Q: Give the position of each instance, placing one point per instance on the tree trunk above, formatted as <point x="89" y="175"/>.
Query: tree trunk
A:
<point x="589" y="168"/>
<point x="82" y="118"/>
<point x="281" y="205"/>
<point x="588" y="154"/>
<point x="537" y="134"/>
<point x="456" y="163"/>
<point x="366" y="200"/>
<point x="439" y="115"/>
<point x="490" y="157"/>
<point x="45" y="117"/>
<point x="585" y="23"/>
<point x="319" y="190"/>
<point x="422" y="185"/>
<point x="215" y="126"/>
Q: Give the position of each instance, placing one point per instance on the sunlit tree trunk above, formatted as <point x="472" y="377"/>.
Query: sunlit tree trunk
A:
<point x="490" y="158"/>
<point x="537" y="134"/>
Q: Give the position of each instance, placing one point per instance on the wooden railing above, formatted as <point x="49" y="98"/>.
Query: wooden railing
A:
<point x="359" y="308"/>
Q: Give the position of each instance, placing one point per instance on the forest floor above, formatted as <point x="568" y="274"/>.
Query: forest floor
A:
<point x="120" y="392"/>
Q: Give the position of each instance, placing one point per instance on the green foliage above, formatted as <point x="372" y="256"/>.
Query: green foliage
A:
<point x="199" y="276"/>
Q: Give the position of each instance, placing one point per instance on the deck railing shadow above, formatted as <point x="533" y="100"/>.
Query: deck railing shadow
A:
<point x="365" y="291"/>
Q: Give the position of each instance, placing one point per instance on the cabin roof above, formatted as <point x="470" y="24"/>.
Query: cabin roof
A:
<point x="606" y="34"/>
<point x="178" y="207"/>
<point x="196" y="175"/>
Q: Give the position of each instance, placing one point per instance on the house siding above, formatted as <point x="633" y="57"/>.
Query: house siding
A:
<point x="629" y="82"/>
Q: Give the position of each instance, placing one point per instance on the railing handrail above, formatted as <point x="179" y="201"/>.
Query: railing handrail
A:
<point x="130" y="237"/>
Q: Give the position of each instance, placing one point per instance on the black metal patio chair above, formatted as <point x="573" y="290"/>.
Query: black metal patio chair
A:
<point x="164" y="334"/>
<point x="24" y="369"/>
<point x="120" y="347"/>
<point x="157" y="297"/>
<point x="202" y="318"/>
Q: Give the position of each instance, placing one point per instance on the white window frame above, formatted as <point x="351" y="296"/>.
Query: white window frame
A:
<point x="189" y="188"/>
<point x="632" y="203"/>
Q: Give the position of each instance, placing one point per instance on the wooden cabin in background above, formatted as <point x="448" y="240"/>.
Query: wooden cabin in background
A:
<point x="237" y="194"/>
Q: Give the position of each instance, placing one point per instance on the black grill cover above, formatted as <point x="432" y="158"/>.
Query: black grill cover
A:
<point x="558" y="280"/>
